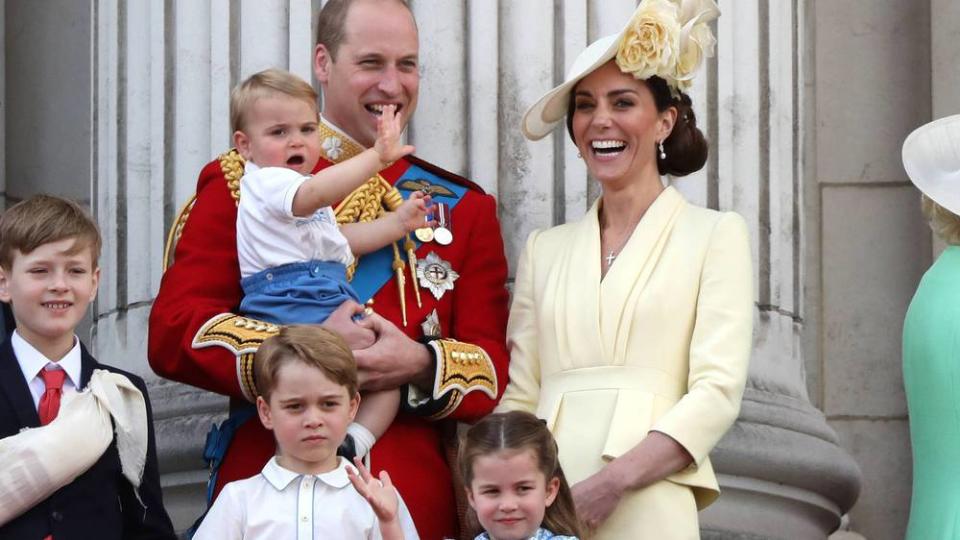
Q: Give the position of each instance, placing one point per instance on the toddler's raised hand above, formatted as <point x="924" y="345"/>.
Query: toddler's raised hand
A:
<point x="412" y="213"/>
<point x="388" y="144"/>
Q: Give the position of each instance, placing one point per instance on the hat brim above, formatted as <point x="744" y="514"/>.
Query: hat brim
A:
<point x="549" y="110"/>
<point x="931" y="158"/>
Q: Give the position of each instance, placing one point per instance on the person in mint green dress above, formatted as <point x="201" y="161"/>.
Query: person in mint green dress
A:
<point x="931" y="338"/>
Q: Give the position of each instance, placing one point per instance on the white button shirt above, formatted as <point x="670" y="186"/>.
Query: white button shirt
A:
<point x="32" y="361"/>
<point x="279" y="503"/>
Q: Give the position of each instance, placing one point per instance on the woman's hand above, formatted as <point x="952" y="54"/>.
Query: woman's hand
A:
<point x="597" y="497"/>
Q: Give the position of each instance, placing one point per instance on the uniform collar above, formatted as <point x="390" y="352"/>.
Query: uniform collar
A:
<point x="280" y="477"/>
<point x="32" y="361"/>
<point x="335" y="144"/>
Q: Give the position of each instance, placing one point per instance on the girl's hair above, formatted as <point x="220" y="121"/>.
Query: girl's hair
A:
<point x="686" y="147"/>
<point x="518" y="430"/>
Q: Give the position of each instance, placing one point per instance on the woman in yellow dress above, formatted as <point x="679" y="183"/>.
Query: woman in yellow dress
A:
<point x="630" y="330"/>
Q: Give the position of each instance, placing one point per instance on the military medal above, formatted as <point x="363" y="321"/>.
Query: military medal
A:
<point x="442" y="233"/>
<point x="431" y="325"/>
<point x="436" y="274"/>
<point x="424" y="234"/>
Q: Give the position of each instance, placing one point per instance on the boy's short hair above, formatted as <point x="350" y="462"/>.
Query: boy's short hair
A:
<point x="312" y="345"/>
<point x="43" y="219"/>
<point x="268" y="82"/>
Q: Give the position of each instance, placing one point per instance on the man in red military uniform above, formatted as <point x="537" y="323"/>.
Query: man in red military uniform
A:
<point x="439" y="298"/>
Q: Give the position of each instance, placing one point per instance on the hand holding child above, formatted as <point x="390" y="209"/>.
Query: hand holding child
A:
<point x="381" y="495"/>
<point x="388" y="144"/>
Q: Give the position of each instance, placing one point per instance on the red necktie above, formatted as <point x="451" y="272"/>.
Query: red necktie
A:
<point x="50" y="400"/>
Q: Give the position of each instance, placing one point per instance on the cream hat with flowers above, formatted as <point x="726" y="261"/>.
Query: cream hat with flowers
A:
<point x="666" y="38"/>
<point x="931" y="157"/>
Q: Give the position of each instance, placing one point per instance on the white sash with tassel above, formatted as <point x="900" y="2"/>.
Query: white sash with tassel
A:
<point x="37" y="462"/>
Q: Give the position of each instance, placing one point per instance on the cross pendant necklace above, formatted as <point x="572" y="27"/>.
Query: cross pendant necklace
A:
<point x="610" y="258"/>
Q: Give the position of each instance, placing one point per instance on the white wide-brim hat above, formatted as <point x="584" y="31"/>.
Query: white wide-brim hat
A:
<point x="549" y="110"/>
<point x="931" y="157"/>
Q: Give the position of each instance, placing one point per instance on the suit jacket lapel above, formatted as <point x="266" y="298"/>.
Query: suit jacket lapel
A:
<point x="15" y="389"/>
<point x="629" y="274"/>
<point x="87" y="365"/>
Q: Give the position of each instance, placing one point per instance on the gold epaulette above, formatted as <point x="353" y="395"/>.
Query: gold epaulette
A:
<point x="232" y="163"/>
<point x="176" y="231"/>
<point x="241" y="336"/>
<point x="462" y="367"/>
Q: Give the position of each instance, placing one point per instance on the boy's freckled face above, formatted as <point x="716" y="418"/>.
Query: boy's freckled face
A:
<point x="281" y="131"/>
<point x="50" y="289"/>
<point x="309" y="415"/>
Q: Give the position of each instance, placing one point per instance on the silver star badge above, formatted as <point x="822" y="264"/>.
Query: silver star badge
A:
<point x="435" y="274"/>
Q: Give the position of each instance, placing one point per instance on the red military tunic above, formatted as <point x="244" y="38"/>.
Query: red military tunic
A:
<point x="195" y="338"/>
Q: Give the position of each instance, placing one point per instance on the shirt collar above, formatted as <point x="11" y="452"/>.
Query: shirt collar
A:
<point x="336" y="145"/>
<point x="280" y="477"/>
<point x="541" y="534"/>
<point x="32" y="361"/>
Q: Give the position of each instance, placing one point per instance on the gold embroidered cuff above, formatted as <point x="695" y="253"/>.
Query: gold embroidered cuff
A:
<point x="241" y="336"/>
<point x="462" y="368"/>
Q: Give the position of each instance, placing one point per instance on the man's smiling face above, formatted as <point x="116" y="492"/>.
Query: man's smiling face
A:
<point x="376" y="64"/>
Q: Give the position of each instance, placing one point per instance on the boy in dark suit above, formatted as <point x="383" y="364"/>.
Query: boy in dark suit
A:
<point x="49" y="275"/>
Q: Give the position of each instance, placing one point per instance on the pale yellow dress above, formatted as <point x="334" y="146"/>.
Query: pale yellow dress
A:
<point x="661" y="343"/>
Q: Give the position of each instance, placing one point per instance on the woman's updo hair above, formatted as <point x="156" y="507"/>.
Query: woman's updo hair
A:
<point x="686" y="147"/>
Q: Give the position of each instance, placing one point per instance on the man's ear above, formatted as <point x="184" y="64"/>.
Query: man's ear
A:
<point x="242" y="143"/>
<point x="322" y="63"/>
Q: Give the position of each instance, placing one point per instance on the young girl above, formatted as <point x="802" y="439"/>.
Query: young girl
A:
<point x="514" y="482"/>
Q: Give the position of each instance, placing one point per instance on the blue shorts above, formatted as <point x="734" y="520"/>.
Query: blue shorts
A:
<point x="303" y="292"/>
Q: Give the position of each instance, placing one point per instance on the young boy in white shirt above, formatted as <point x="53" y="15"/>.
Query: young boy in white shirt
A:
<point x="307" y="377"/>
<point x="293" y="255"/>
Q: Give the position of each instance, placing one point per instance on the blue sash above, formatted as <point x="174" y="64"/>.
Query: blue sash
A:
<point x="375" y="269"/>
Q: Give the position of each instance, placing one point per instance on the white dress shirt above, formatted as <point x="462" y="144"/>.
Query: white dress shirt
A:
<point x="280" y="503"/>
<point x="269" y="235"/>
<point x="32" y="361"/>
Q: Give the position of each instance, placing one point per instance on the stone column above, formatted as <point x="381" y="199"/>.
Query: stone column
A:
<point x="163" y="76"/>
<point x="3" y="104"/>
<point x="162" y="79"/>
<point x="781" y="468"/>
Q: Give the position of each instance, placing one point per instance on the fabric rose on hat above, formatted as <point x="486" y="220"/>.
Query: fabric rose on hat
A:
<point x="696" y="39"/>
<point x="651" y="43"/>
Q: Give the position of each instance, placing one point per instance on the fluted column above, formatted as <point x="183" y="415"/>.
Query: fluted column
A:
<point x="163" y="76"/>
<point x="162" y="79"/>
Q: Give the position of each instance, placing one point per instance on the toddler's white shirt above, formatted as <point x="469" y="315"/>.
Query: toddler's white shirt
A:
<point x="269" y="235"/>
